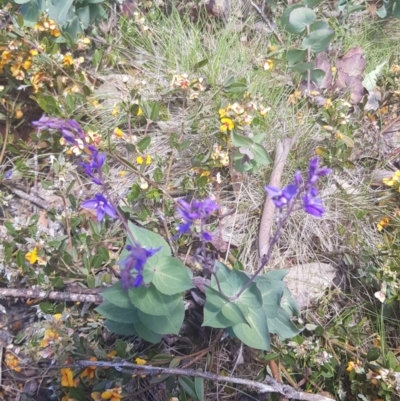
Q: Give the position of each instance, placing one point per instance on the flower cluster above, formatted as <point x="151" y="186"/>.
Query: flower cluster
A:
<point x="133" y="265"/>
<point x="17" y="56"/>
<point x="311" y="203"/>
<point x="237" y="115"/>
<point x="47" y="25"/>
<point x="193" y="86"/>
<point x="198" y="210"/>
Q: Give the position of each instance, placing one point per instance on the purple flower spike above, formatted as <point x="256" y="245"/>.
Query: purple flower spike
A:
<point x="100" y="203"/>
<point x="313" y="205"/>
<point x="281" y="197"/>
<point x="133" y="265"/>
<point x="197" y="210"/>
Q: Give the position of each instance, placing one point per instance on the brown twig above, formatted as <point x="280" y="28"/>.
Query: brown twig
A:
<point x="53" y="295"/>
<point x="267" y="21"/>
<point x="269" y="386"/>
<point x="41" y="203"/>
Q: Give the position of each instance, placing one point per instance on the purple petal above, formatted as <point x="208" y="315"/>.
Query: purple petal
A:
<point x="138" y="281"/>
<point x="100" y="213"/>
<point x="289" y="191"/>
<point x="110" y="210"/>
<point x="206" y="236"/>
<point x="273" y="191"/>
<point x="90" y="204"/>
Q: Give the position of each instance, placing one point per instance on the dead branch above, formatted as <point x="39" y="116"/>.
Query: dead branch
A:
<point x="270" y="385"/>
<point x="267" y="218"/>
<point x="53" y="295"/>
<point x="270" y="25"/>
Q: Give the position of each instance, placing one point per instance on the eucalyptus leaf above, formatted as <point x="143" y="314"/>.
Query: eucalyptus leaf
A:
<point x="261" y="156"/>
<point x="213" y="316"/>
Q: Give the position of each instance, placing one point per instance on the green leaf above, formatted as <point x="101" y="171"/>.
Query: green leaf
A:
<point x="171" y="276"/>
<point x="200" y="64"/>
<point x="282" y="325"/>
<point x="311" y="3"/>
<point x="319" y="25"/>
<point x="373" y="354"/>
<point x="302" y="67"/>
<point x="318" y="40"/>
<point x="117" y="296"/>
<point x="213" y="316"/>
<point x="164" y="324"/>
<point x="121" y="329"/>
<point x="155" y="109"/>
<point x="287" y="12"/>
<point x="261" y="156"/>
<point x="317" y="76"/>
<point x="233" y="313"/>
<point x="299" y="19"/>
<point x="243" y="163"/>
<point x="31" y="14"/>
<point x="144" y="143"/>
<point x="151" y="301"/>
<point x="94" y="1"/>
<point x="21" y="1"/>
<point x="120" y="347"/>
<point x="271" y="292"/>
<point x="84" y="15"/>
<point x="72" y="29"/>
<point x="240" y="140"/>
<point x="61" y="8"/>
<point x="149" y="239"/>
<point x="346" y="140"/>
<point x="117" y="314"/>
<point x="370" y="79"/>
<point x="188" y="385"/>
<point x="255" y="334"/>
<point x="199" y="388"/>
<point x="146" y="334"/>
<point x="158" y="175"/>
<point x="294" y="56"/>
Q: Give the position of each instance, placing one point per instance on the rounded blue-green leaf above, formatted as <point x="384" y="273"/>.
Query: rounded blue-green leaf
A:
<point x="150" y="300"/>
<point x="318" y="40"/>
<point x="170" y="275"/>
<point x="122" y="329"/>
<point x="164" y="324"/>
<point x="117" y="296"/>
<point x="117" y="314"/>
<point x="299" y="19"/>
<point x="146" y="334"/>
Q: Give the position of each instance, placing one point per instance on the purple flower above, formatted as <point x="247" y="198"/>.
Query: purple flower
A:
<point x="133" y="265"/>
<point x="70" y="129"/>
<point x="191" y="212"/>
<point x="313" y="205"/>
<point x="100" y="203"/>
<point x="281" y="197"/>
<point x="314" y="173"/>
<point x="95" y="166"/>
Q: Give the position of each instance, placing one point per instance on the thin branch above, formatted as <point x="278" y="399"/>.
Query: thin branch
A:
<point x="270" y="385"/>
<point x="53" y="295"/>
<point x="267" y="21"/>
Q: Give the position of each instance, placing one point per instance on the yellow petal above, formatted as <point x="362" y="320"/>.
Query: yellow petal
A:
<point x="31" y="256"/>
<point x="139" y="160"/>
<point x="140" y="361"/>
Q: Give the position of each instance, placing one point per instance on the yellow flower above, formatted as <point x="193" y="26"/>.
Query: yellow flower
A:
<point x="333" y="69"/>
<point x="18" y="114"/>
<point x="122" y="173"/>
<point x="67" y="378"/>
<point x="383" y="223"/>
<point x="32" y="256"/>
<point x="140" y="112"/>
<point x="264" y="110"/>
<point x="68" y="59"/>
<point x="112" y="395"/>
<point x="141" y="160"/>
<point x="294" y="97"/>
<point x="111" y="354"/>
<point x="89" y="371"/>
<point x="118" y="132"/>
<point x="33" y="52"/>
<point x="140" y="361"/>
<point x="57" y="317"/>
<point x="226" y="124"/>
<point x="328" y="104"/>
<point x="268" y="65"/>
<point x="49" y="337"/>
<point x="237" y="108"/>
<point x="115" y="111"/>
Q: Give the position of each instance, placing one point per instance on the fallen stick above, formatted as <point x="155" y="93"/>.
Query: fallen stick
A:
<point x="269" y="385"/>
<point x="53" y="295"/>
